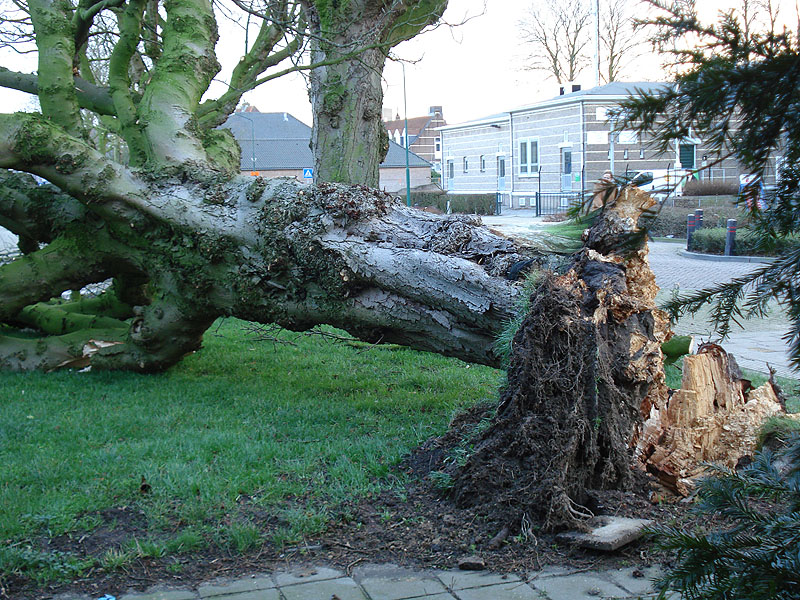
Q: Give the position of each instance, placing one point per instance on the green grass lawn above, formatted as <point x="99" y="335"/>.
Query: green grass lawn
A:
<point x="239" y="434"/>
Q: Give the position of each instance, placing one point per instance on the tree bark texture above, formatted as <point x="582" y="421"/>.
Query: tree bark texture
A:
<point x="351" y="42"/>
<point x="584" y="364"/>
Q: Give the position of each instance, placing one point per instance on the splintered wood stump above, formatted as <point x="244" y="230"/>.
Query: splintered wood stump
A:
<point x="713" y="418"/>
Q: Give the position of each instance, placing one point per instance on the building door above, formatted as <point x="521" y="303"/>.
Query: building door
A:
<point x="566" y="169"/>
<point x="450" y="174"/>
<point x="686" y="155"/>
<point x="501" y="173"/>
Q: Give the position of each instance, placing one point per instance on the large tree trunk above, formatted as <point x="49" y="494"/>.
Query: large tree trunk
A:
<point x="350" y="45"/>
<point x="348" y="139"/>
<point x="585" y="364"/>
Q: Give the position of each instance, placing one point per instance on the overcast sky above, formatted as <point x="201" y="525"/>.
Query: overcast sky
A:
<point x="472" y="70"/>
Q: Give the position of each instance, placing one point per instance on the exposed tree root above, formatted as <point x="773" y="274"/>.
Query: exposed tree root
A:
<point x="585" y="361"/>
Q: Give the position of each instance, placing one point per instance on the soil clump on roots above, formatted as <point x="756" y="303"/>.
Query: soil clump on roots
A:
<point x="585" y="367"/>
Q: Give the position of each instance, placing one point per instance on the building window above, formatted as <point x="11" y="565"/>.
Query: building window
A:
<point x="529" y="156"/>
<point x="451" y="171"/>
<point x="466" y="165"/>
<point x="641" y="152"/>
<point x="438" y="144"/>
<point x="686" y="154"/>
<point x="483" y="163"/>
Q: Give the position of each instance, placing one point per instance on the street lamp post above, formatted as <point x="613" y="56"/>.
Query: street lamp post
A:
<point x="405" y="111"/>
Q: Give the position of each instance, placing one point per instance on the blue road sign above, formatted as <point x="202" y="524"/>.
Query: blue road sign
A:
<point x="308" y="173"/>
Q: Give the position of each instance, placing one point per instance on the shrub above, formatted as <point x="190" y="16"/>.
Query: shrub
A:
<point x="474" y="204"/>
<point x="710" y="188"/>
<point x="671" y="220"/>
<point x="755" y="555"/>
<point x="712" y="241"/>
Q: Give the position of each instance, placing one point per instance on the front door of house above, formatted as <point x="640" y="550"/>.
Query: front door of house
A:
<point x="501" y="173"/>
<point x="450" y="174"/>
<point x="566" y="169"/>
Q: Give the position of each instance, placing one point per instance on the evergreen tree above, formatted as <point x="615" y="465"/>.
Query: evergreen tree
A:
<point x="756" y="554"/>
<point x="737" y="87"/>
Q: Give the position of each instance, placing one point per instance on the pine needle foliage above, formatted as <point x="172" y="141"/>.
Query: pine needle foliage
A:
<point x="756" y="554"/>
<point x="738" y="88"/>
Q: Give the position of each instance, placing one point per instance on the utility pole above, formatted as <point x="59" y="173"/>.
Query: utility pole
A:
<point x="405" y="111"/>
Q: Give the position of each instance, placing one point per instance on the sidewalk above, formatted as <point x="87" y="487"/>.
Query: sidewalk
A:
<point x="756" y="342"/>
<point x="389" y="582"/>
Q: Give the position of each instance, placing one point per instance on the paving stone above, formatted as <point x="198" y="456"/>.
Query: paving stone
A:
<point x="636" y="585"/>
<point x="552" y="571"/>
<point x="343" y="588"/>
<point x="269" y="594"/>
<point x="401" y="587"/>
<point x="231" y="586"/>
<point x="608" y="533"/>
<point x="306" y="574"/>
<point x="461" y="580"/>
<point x="161" y="595"/>
<point x="506" y="591"/>
<point x="583" y="586"/>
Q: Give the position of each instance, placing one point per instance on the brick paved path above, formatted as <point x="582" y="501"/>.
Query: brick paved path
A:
<point x="754" y="344"/>
<point x="388" y="582"/>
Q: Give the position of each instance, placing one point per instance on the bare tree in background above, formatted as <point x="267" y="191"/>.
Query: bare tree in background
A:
<point x="621" y="40"/>
<point x="560" y="34"/>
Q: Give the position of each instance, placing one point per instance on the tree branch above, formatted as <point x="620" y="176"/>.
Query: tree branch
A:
<point x="29" y="142"/>
<point x="180" y="78"/>
<point x="130" y="27"/>
<point x="37" y="213"/>
<point x="90" y="96"/>
<point x="55" y="41"/>
<point x="65" y="264"/>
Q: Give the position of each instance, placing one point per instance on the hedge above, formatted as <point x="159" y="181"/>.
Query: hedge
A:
<point x="710" y="188"/>
<point x="474" y="204"/>
<point x="671" y="221"/>
<point x="712" y="241"/>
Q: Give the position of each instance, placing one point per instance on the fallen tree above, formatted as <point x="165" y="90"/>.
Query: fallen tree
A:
<point x="183" y="236"/>
<point x="271" y="251"/>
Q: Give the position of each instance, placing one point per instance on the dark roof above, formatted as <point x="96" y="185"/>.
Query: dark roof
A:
<point x="282" y="142"/>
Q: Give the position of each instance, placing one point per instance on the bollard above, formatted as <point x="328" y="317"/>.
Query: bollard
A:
<point x="698" y="219"/>
<point x="690" y="224"/>
<point x="730" y="238"/>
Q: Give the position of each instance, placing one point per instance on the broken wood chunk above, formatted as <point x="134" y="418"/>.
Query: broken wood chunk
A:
<point x="711" y="419"/>
<point x="606" y="533"/>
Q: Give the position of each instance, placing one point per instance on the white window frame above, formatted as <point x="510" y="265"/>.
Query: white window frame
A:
<point x="465" y="165"/>
<point x="482" y="163"/>
<point x="530" y="167"/>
